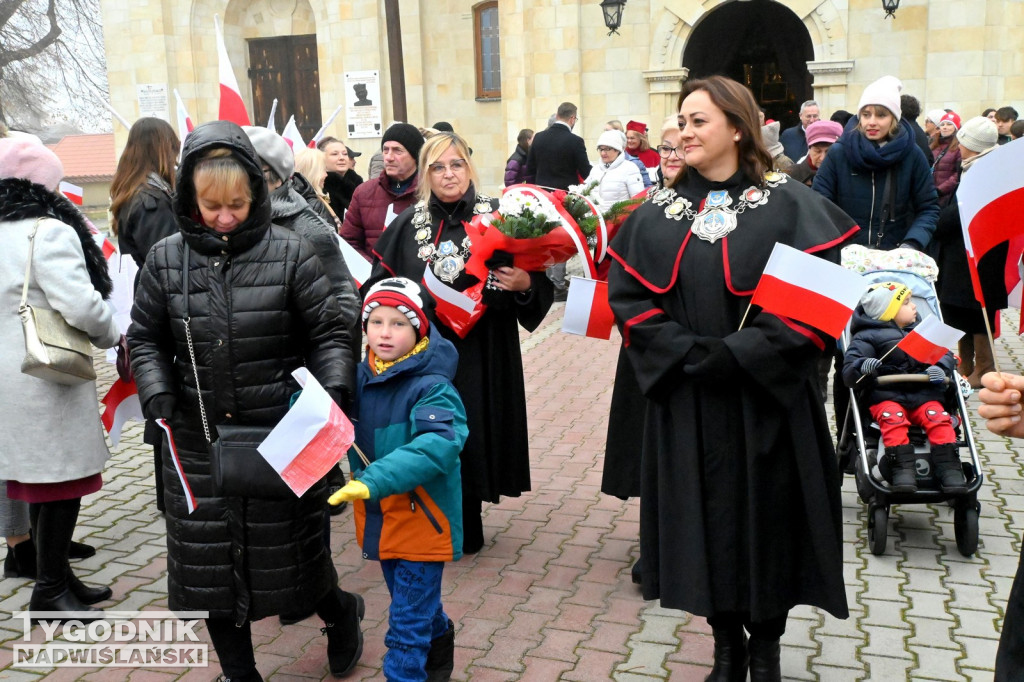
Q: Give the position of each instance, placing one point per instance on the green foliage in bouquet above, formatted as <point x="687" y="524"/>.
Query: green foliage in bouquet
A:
<point x="526" y="225"/>
<point x="617" y="212"/>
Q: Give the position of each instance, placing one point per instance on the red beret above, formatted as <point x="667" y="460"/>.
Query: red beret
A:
<point x="637" y="126"/>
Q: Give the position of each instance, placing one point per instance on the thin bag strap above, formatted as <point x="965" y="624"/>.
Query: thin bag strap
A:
<point x="28" y="263"/>
<point x="186" y="318"/>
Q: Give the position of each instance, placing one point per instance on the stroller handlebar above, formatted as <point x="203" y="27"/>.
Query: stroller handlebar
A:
<point x="908" y="378"/>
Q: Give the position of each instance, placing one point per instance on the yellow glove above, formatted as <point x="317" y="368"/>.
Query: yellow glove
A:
<point x="353" y="490"/>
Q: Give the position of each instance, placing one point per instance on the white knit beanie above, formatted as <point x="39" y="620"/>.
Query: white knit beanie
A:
<point x="885" y="92"/>
<point x="611" y="138"/>
<point x="978" y="134"/>
<point x="770" y="135"/>
<point x="935" y="115"/>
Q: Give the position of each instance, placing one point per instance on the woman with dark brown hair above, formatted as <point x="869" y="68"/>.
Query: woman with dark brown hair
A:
<point x="740" y="516"/>
<point x="142" y="214"/>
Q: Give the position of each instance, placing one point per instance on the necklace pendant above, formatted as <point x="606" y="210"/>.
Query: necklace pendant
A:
<point x="449" y="268"/>
<point x="711" y="225"/>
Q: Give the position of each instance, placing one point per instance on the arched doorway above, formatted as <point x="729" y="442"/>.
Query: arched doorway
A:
<point x="760" y="43"/>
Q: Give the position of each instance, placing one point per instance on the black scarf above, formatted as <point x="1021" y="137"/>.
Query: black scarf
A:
<point x="22" y="199"/>
<point x="867" y="155"/>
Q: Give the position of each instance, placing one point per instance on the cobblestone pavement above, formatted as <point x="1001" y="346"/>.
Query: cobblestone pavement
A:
<point x="550" y="597"/>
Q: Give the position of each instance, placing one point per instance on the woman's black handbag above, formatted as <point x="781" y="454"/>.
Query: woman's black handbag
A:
<point x="236" y="466"/>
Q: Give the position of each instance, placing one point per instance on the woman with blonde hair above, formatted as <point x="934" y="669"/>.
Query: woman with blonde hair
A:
<point x="312" y="166"/>
<point x="432" y="234"/>
<point x="226" y="310"/>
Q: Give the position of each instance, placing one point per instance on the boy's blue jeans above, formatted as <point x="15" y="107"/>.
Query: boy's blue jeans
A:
<point x="416" y="617"/>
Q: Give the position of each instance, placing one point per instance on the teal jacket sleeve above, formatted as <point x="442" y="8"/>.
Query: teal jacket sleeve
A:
<point x="439" y="432"/>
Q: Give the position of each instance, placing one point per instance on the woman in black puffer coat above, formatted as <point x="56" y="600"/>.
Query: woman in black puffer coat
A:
<point x="261" y="306"/>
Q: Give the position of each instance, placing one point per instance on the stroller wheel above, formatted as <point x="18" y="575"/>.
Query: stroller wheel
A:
<point x="878" y="529"/>
<point x="965" y="525"/>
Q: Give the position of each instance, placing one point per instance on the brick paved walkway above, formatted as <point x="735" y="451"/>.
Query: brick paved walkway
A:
<point x="550" y="597"/>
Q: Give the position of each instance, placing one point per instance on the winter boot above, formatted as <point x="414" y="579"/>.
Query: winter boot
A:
<point x="55" y="522"/>
<point x="21" y="560"/>
<point x="984" y="361"/>
<point x="441" y="657"/>
<point x="965" y="348"/>
<point x="85" y="593"/>
<point x="764" y="660"/>
<point x="344" y="634"/>
<point x="730" y="655"/>
<point x="948" y="470"/>
<point x="904" y="470"/>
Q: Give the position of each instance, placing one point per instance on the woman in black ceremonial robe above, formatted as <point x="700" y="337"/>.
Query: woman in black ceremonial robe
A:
<point x="496" y="458"/>
<point x="740" y="515"/>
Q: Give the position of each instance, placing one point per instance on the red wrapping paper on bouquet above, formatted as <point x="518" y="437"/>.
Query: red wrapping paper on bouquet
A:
<point x="534" y="254"/>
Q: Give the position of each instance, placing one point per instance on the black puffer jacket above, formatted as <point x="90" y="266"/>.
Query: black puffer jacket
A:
<point x="261" y="306"/>
<point x="873" y="338"/>
<point x="290" y="209"/>
<point x="146" y="219"/>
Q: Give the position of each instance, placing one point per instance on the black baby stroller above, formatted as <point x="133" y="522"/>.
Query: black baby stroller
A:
<point x="872" y="463"/>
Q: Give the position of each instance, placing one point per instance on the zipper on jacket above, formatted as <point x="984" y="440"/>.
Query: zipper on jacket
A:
<point x="871" y="216"/>
<point x="413" y="499"/>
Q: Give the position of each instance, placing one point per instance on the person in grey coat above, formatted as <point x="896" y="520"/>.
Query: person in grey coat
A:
<point x="52" y="449"/>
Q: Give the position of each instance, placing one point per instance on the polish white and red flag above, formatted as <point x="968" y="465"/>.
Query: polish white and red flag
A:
<point x="358" y="266"/>
<point x="991" y="200"/>
<point x="292" y="135"/>
<point x="185" y="124"/>
<point x="72" y="192"/>
<point x="120" y="404"/>
<point x="587" y="312"/>
<point x="458" y="310"/>
<point x="232" y="107"/>
<point x="310" y="439"/>
<point x="808" y="289"/>
<point x="190" y="498"/>
<point x="929" y="340"/>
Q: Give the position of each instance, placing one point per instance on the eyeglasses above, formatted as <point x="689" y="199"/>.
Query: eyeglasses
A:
<point x="457" y="166"/>
<point x="665" y="151"/>
<point x="606" y="149"/>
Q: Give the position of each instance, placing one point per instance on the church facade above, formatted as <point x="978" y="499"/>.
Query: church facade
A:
<point x="491" y="68"/>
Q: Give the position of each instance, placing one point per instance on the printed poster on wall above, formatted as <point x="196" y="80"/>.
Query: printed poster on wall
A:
<point x="362" y="103"/>
<point x="153" y="100"/>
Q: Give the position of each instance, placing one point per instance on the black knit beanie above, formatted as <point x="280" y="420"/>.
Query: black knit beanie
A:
<point x="406" y="135"/>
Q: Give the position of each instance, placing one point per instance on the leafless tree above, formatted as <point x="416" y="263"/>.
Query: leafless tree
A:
<point x="52" y="65"/>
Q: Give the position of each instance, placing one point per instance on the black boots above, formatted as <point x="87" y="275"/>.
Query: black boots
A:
<point x="55" y="590"/>
<point x="948" y="471"/>
<point x="344" y="635"/>
<point x="764" y="660"/>
<point x="21" y="560"/>
<point x="904" y="469"/>
<point x="730" y="655"/>
<point x="441" y="657"/>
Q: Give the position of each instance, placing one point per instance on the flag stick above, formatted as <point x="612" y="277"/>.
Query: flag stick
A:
<point x="323" y="128"/>
<point x="119" y="117"/>
<point x="270" y="119"/>
<point x="884" y="356"/>
<point x="745" y="313"/>
<point x="991" y="341"/>
<point x="359" y="452"/>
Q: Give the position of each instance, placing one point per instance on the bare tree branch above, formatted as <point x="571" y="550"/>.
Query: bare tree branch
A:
<point x="8" y="56"/>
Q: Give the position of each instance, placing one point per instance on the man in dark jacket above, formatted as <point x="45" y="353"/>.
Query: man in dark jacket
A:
<point x="557" y="158"/>
<point x="794" y="140"/>
<point x="911" y="109"/>
<point x="377" y="202"/>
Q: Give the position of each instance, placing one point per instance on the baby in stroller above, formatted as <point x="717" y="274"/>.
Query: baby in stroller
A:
<point x="885" y="315"/>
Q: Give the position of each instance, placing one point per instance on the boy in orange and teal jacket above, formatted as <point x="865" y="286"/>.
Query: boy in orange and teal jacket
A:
<point x="407" y="495"/>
